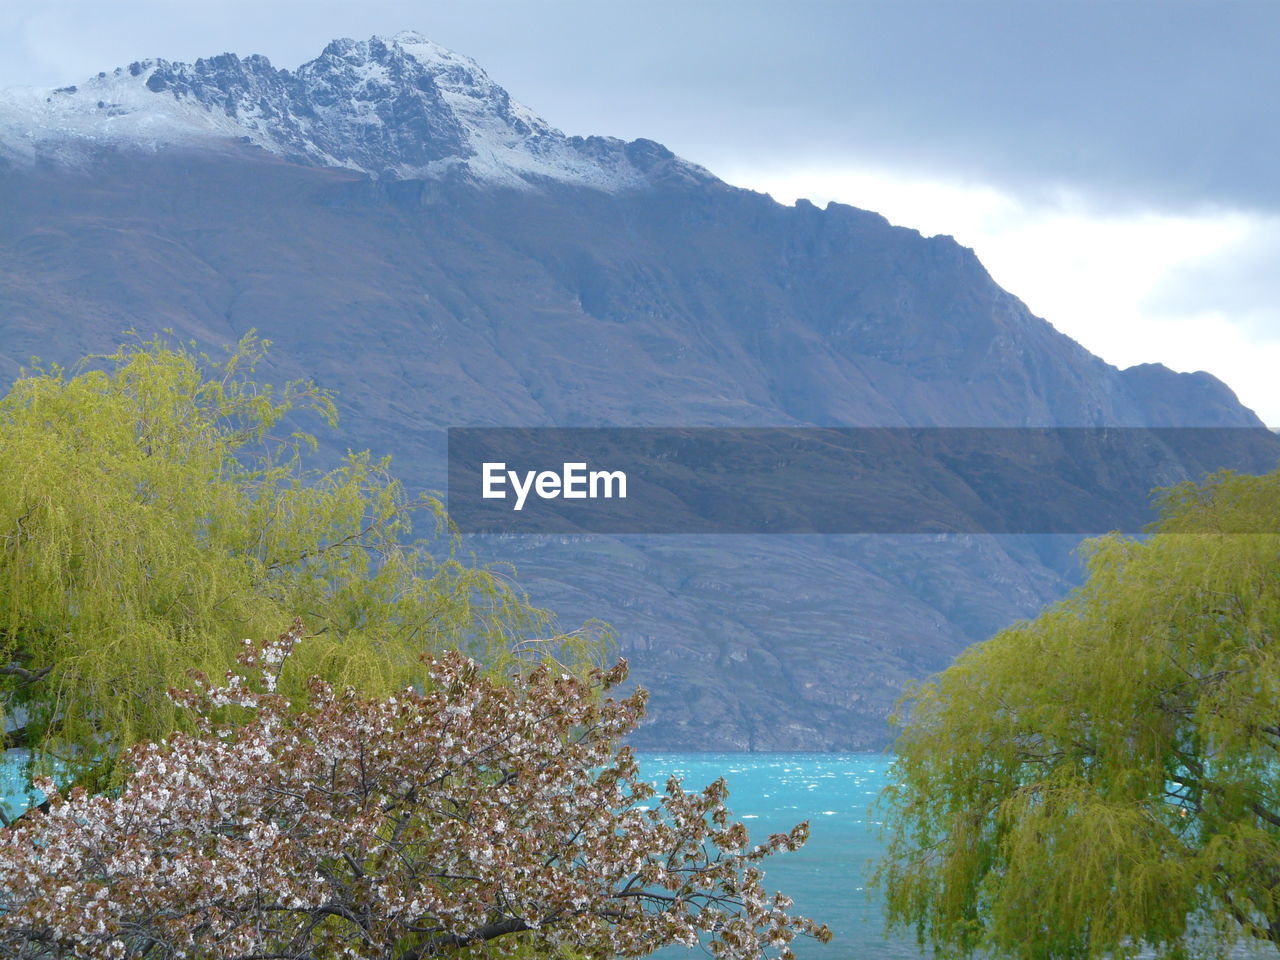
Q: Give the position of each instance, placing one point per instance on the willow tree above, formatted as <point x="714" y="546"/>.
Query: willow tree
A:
<point x="151" y="517"/>
<point x="1105" y="779"/>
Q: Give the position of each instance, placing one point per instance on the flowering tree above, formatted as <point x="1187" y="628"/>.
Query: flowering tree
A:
<point x="398" y="829"/>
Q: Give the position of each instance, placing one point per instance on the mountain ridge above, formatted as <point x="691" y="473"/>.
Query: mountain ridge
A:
<point x="401" y="107"/>
<point x="453" y="123"/>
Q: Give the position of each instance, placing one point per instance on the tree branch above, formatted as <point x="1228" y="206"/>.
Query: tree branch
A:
<point x="454" y="941"/>
<point x="22" y="673"/>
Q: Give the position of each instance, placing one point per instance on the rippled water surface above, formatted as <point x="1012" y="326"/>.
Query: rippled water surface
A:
<point x="828" y="877"/>
<point x="770" y="793"/>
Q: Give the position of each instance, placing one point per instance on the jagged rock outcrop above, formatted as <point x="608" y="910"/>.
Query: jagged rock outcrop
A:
<point x="398" y="107"/>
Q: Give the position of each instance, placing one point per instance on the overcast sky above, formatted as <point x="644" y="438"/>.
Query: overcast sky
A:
<point x="1115" y="164"/>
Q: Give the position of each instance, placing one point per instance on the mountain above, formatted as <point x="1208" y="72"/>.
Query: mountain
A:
<point x="412" y="237"/>
<point x="400" y="108"/>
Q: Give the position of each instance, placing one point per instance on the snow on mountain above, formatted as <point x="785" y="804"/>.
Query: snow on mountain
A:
<point x="401" y="107"/>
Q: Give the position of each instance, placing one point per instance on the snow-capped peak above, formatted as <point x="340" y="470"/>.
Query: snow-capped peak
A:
<point x="402" y="107"/>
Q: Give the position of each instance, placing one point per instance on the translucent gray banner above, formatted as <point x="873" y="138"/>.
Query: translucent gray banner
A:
<point x="1071" y="480"/>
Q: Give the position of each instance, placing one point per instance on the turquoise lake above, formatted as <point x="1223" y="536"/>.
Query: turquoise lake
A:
<point x="828" y="877"/>
<point x="770" y="793"/>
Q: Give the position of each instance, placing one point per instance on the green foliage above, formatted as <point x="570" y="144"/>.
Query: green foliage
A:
<point x="151" y="518"/>
<point x="1105" y="778"/>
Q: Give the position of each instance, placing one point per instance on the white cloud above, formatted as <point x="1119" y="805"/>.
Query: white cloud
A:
<point x="1133" y="287"/>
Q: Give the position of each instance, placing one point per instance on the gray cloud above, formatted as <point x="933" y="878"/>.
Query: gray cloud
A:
<point x="1241" y="281"/>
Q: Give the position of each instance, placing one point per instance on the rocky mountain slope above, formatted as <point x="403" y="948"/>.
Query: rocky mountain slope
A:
<point x="409" y="235"/>
<point x="401" y="107"/>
